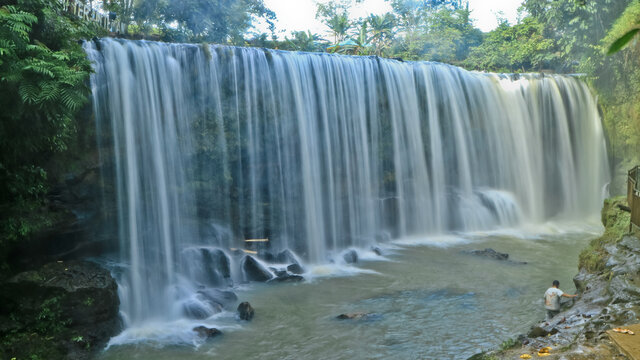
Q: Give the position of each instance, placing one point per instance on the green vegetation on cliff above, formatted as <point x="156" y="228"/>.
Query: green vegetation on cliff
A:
<point x="616" y="223"/>
<point x="43" y="85"/>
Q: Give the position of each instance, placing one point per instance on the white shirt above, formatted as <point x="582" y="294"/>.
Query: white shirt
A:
<point x="552" y="298"/>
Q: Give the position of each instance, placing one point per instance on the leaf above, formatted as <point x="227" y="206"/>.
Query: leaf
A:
<point x="622" y="41"/>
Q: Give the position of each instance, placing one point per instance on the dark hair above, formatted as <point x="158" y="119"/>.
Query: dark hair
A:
<point x="556" y="283"/>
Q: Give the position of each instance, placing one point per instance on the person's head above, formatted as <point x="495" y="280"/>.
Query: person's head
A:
<point x="556" y="283"/>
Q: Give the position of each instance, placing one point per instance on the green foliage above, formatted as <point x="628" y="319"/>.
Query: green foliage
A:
<point x="517" y="48"/>
<point x="43" y="74"/>
<point x="218" y="21"/>
<point x="616" y="223"/>
<point x="509" y="344"/>
<point x="335" y="15"/>
<point x="624" y="29"/>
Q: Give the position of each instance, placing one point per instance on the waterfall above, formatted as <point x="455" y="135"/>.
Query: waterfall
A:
<point x="321" y="152"/>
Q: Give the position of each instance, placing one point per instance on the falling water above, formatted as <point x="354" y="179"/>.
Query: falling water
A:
<point x="320" y="153"/>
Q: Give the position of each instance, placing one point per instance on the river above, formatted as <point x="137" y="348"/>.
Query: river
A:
<point x="427" y="299"/>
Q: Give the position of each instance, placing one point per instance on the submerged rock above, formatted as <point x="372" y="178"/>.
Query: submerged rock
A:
<point x="489" y="253"/>
<point x="254" y="271"/>
<point x="245" y="311"/>
<point x="358" y="316"/>
<point x="350" y="257"/>
<point x="76" y="297"/>
<point x="206" y="332"/>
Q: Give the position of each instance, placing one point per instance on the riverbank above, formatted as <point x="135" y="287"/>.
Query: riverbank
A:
<point x="608" y="285"/>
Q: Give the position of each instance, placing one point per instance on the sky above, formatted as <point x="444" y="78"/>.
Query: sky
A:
<point x="299" y="15"/>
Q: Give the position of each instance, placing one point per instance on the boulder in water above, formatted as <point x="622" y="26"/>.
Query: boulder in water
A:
<point x="376" y="250"/>
<point x="286" y="277"/>
<point x="295" y="269"/>
<point x="286" y="257"/>
<point x="222" y="297"/>
<point x="245" y="311"/>
<point x="200" y="307"/>
<point x="253" y="270"/>
<point x="350" y="257"/>
<point x="217" y="264"/>
<point x="206" y="332"/>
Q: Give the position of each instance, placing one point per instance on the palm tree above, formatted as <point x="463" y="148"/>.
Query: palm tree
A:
<point x="381" y="32"/>
<point x="339" y="24"/>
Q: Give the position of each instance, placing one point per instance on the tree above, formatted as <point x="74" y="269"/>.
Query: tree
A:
<point x="381" y="31"/>
<point x="219" y="21"/>
<point x="517" y="48"/>
<point x="303" y="41"/>
<point x="43" y="77"/>
<point x="336" y="17"/>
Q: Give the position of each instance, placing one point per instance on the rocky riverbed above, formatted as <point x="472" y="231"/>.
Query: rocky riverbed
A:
<point x="608" y="298"/>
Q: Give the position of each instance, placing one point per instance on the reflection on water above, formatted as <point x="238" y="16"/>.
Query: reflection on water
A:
<point x="427" y="302"/>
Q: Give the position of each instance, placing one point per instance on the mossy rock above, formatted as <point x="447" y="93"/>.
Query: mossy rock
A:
<point x="616" y="222"/>
<point x="64" y="310"/>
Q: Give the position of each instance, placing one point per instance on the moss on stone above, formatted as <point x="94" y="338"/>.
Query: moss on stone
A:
<point x="616" y="222"/>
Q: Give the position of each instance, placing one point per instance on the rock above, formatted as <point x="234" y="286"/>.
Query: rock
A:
<point x="295" y="269"/>
<point x="217" y="264"/>
<point x="286" y="277"/>
<point x="200" y="308"/>
<point x="206" y="332"/>
<point x="358" y="316"/>
<point x="222" y="297"/>
<point x="376" y="250"/>
<point x="350" y="257"/>
<point x="78" y="297"/>
<point x="245" y="311"/>
<point x="537" y="331"/>
<point x="207" y="266"/>
<point x="254" y="271"/>
<point x="286" y="257"/>
<point x="489" y="253"/>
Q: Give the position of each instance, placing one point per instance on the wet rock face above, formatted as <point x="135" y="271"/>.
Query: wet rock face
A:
<point x="253" y="270"/>
<point x="245" y="311"/>
<point x="72" y="307"/>
<point x="206" y="332"/>
<point x="295" y="269"/>
<point x="350" y="257"/>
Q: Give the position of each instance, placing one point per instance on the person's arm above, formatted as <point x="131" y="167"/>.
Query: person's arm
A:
<point x="569" y="296"/>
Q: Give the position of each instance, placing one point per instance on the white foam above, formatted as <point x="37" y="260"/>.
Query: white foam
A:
<point x="166" y="333"/>
<point x="432" y="240"/>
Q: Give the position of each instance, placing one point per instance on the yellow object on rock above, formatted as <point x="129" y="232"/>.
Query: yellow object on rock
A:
<point x="545" y="351"/>
<point x="525" y="356"/>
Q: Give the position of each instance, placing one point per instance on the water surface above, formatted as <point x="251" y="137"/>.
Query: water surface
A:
<point x="428" y="300"/>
